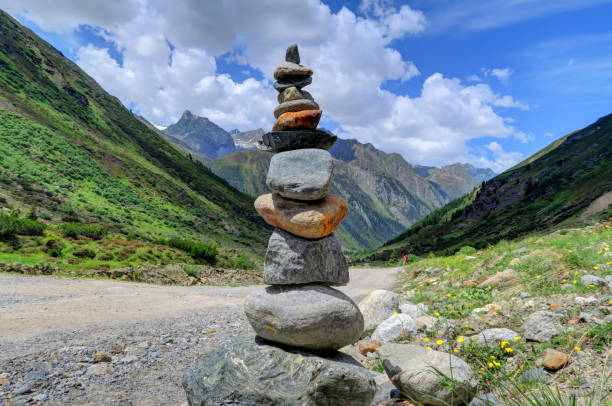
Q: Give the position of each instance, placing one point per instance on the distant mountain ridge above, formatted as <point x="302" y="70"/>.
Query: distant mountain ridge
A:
<point x="247" y="139"/>
<point x="201" y="135"/>
<point x="553" y="188"/>
<point x="384" y="192"/>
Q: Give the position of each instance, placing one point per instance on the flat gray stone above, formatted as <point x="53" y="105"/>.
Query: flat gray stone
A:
<point x="299" y="83"/>
<point x="249" y="372"/>
<point x="414" y="310"/>
<point x="302" y="174"/>
<point x="293" y="93"/>
<point x="278" y="141"/>
<point x="542" y="326"/>
<point x="419" y="374"/>
<point x="292" y="260"/>
<point x="288" y="71"/>
<point x="292" y="54"/>
<point x="593" y="280"/>
<point x="492" y="337"/>
<point x="295" y="105"/>
<point x="314" y="317"/>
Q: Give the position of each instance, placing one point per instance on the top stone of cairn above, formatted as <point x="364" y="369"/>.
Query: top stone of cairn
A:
<point x="293" y="55"/>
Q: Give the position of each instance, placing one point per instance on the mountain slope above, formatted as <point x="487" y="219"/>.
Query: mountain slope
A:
<point x="77" y="154"/>
<point x="247" y="139"/>
<point x="384" y="193"/>
<point x="548" y="190"/>
<point x="202" y="135"/>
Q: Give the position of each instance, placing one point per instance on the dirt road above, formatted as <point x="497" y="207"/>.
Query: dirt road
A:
<point x="34" y="306"/>
<point x="51" y="327"/>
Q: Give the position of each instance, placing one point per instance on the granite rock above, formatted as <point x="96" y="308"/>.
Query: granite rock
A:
<point x="491" y="337"/>
<point x="377" y="307"/>
<point x="302" y="174"/>
<point x="412" y="369"/>
<point x="314" y="317"/>
<point x="593" y="280"/>
<point x="542" y="326"/>
<point x="295" y="106"/>
<point x="414" y="310"/>
<point x="503" y="278"/>
<point x="249" y="372"/>
<point x="395" y="326"/>
<point x="278" y="141"/>
<point x="298" y="120"/>
<point x="293" y="260"/>
<point x="308" y="219"/>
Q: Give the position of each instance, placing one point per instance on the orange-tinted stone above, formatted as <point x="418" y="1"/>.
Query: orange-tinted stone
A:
<point x="554" y="359"/>
<point x="364" y="349"/>
<point x="308" y="219"/>
<point x="298" y="120"/>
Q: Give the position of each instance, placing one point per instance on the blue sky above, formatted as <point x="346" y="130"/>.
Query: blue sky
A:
<point x="437" y="81"/>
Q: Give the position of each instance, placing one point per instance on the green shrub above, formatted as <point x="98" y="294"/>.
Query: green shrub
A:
<point x="75" y="230"/>
<point x="242" y="262"/>
<point x="54" y="247"/>
<point x="466" y="250"/>
<point x="85" y="253"/>
<point x="11" y="225"/>
<point x="197" y="250"/>
<point x="192" y="271"/>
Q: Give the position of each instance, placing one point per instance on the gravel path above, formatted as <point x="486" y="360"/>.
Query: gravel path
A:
<point x="51" y="327"/>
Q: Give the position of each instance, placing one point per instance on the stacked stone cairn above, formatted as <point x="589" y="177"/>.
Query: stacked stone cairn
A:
<point x="300" y="320"/>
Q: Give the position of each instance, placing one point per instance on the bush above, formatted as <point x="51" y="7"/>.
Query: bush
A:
<point x="197" y="250"/>
<point x="192" y="271"/>
<point x="54" y="248"/>
<point x="75" y="230"/>
<point x="85" y="253"/>
<point x="242" y="262"/>
<point x="11" y="225"/>
<point x="466" y="250"/>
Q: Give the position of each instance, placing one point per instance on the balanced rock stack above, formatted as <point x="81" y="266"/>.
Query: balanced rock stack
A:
<point x="304" y="257"/>
<point x="300" y="320"/>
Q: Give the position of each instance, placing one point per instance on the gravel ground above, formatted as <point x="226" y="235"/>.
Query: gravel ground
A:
<point x="145" y="336"/>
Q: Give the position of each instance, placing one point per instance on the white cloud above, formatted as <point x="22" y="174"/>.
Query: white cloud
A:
<point x="501" y="159"/>
<point x="352" y="56"/>
<point x="474" y="78"/>
<point x="502" y="74"/>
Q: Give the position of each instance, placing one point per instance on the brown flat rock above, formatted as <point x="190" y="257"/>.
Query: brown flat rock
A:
<point x="298" y="120"/>
<point x="308" y="219"/>
<point x="290" y="70"/>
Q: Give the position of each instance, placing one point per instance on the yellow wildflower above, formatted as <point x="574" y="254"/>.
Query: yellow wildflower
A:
<point x="503" y="344"/>
<point x="596" y="267"/>
<point x="395" y="313"/>
<point x="455" y="350"/>
<point x="570" y="251"/>
<point x="372" y="309"/>
<point x="517" y="338"/>
<point x="490" y="364"/>
<point x="538" y="276"/>
<point x="497" y="364"/>
<point x="429" y="348"/>
<point x="426" y="339"/>
<point x="439" y="342"/>
<point x="437" y="314"/>
<point x="508" y="349"/>
<point x="574" y="281"/>
<point x="576" y="348"/>
<point x="460" y="339"/>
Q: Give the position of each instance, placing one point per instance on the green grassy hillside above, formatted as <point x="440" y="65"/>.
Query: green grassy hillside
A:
<point x="72" y="153"/>
<point x="549" y="190"/>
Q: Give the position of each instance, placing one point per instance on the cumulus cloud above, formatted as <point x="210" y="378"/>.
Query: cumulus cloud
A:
<point x="170" y="50"/>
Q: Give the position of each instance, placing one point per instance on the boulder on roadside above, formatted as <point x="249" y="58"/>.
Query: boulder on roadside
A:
<point x="421" y="374"/>
<point x="378" y="306"/>
<point x="394" y="327"/>
<point x="414" y="310"/>
<point x="248" y="371"/>
<point x="553" y="359"/>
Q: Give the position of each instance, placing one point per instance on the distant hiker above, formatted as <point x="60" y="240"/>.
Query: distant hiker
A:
<point x="404" y="259"/>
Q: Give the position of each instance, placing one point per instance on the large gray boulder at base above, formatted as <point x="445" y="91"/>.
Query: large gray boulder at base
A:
<point x="314" y="317"/>
<point x="420" y="374"/>
<point x="292" y="260"/>
<point x="250" y="372"/>
<point x="377" y="307"/>
<point x="393" y="327"/>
